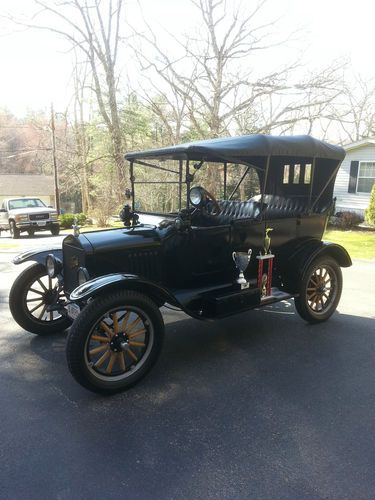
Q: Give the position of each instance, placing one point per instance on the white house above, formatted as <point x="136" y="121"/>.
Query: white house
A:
<point x="40" y="186"/>
<point x="356" y="176"/>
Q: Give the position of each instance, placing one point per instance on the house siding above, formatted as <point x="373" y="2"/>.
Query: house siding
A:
<point x="352" y="201"/>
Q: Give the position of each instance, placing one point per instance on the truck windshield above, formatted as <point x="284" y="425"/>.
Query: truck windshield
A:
<point x="25" y="203"/>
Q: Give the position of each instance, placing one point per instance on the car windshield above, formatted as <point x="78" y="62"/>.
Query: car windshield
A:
<point x="25" y="203"/>
<point x="160" y="187"/>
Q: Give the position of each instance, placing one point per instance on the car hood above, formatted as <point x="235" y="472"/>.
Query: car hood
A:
<point x="120" y="239"/>
<point x="34" y="210"/>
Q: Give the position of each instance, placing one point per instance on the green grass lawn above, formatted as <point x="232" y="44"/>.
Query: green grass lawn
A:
<point x="359" y="244"/>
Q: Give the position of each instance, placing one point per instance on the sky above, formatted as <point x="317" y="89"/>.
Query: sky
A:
<point x="36" y="66"/>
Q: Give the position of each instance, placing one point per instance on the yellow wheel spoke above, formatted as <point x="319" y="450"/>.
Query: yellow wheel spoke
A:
<point x="121" y="358"/>
<point x="131" y="353"/>
<point x="125" y="321"/>
<point x="134" y="324"/>
<point x="137" y="344"/>
<point x="102" y="359"/>
<point x="98" y="349"/>
<point x="137" y="333"/>
<point x="106" y="328"/>
<point x="115" y="322"/>
<point x="111" y="363"/>
<point x="100" y="339"/>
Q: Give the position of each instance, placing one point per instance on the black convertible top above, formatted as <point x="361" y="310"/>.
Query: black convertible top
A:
<point x="245" y="147"/>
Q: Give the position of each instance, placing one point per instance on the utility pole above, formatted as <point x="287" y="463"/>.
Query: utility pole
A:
<point x="57" y="193"/>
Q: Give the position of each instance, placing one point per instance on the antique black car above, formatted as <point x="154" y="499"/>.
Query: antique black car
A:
<point x="239" y="226"/>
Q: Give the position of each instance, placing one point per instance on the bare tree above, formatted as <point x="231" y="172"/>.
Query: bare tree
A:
<point x="214" y="74"/>
<point x="354" y="112"/>
<point x="92" y="28"/>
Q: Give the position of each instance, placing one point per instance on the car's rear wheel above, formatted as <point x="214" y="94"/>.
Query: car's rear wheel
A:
<point x="320" y="290"/>
<point x="14" y="231"/>
<point x="115" y="341"/>
<point x="31" y="294"/>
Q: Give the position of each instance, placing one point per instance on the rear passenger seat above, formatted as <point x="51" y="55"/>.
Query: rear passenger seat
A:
<point x="276" y="207"/>
<point x="280" y="207"/>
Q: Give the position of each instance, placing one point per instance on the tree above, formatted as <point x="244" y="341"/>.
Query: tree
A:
<point x="92" y="28"/>
<point x="370" y="211"/>
<point x="354" y="111"/>
<point x="215" y="73"/>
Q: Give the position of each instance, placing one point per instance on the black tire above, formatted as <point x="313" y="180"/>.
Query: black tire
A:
<point x="101" y="354"/>
<point x="14" y="231"/>
<point x="320" y="290"/>
<point x="34" y="287"/>
<point x="31" y="232"/>
<point x="55" y="231"/>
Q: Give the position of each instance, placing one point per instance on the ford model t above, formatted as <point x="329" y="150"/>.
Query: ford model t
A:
<point x="236" y="224"/>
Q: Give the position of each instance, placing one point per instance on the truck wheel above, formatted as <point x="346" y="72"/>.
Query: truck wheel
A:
<point x="29" y="297"/>
<point x="55" y="231"/>
<point x="31" y="232"/>
<point x="320" y="290"/>
<point x="115" y="341"/>
<point x="14" y="231"/>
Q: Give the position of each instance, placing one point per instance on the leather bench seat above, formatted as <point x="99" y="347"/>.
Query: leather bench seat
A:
<point x="276" y="207"/>
<point x="280" y="207"/>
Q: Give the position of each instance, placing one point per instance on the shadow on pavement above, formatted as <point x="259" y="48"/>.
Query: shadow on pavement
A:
<point x="257" y="405"/>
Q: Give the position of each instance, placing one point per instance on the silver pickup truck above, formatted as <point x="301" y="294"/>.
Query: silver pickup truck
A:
<point x="27" y="214"/>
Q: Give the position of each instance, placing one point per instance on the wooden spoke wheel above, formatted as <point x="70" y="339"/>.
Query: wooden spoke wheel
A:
<point x="115" y="341"/>
<point x="320" y="290"/>
<point x="30" y="299"/>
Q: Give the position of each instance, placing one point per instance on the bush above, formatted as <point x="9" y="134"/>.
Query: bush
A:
<point x="67" y="220"/>
<point x="345" y="220"/>
<point x="370" y="211"/>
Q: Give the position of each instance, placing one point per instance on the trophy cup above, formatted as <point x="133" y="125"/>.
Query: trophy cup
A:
<point x="242" y="259"/>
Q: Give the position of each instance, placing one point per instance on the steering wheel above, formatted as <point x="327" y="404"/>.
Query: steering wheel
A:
<point x="210" y="199"/>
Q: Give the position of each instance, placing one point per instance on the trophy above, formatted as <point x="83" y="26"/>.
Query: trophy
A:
<point x="242" y="259"/>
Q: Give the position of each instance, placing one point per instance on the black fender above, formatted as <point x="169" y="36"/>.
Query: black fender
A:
<point x="294" y="264"/>
<point x="115" y="281"/>
<point x="37" y="255"/>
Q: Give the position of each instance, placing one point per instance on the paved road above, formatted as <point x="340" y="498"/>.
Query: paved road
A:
<point x="260" y="405"/>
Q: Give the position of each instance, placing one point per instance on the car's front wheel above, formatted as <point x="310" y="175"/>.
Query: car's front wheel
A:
<point x="115" y="341"/>
<point x="55" y="231"/>
<point x="29" y="298"/>
<point x="320" y="290"/>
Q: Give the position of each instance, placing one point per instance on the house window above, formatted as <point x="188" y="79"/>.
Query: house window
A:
<point x="366" y="176"/>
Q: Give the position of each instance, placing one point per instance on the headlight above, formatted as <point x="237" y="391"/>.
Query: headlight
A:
<point x="196" y="196"/>
<point x="21" y="218"/>
<point x="83" y="275"/>
<point x="53" y="215"/>
<point x="53" y="265"/>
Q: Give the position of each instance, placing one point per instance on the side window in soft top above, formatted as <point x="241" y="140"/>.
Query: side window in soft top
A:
<point x="4" y="205"/>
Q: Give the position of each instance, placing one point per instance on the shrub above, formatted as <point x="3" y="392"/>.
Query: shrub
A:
<point x="370" y="211"/>
<point x="67" y="220"/>
<point x="345" y="220"/>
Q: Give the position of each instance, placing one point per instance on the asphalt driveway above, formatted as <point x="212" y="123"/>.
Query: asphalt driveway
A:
<point x="260" y="405"/>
